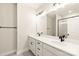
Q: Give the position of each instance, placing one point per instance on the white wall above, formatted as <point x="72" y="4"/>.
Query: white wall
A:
<point x="8" y="40"/>
<point x="26" y="22"/>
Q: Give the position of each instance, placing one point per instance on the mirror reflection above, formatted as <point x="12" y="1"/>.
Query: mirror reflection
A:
<point x="51" y="24"/>
<point x="62" y="21"/>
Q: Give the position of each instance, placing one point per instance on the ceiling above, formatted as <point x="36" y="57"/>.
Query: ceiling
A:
<point x="39" y="7"/>
<point x="34" y="5"/>
<point x="62" y="11"/>
<point x="68" y="9"/>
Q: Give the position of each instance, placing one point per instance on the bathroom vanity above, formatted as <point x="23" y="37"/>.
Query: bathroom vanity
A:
<point x="51" y="25"/>
<point x="51" y="46"/>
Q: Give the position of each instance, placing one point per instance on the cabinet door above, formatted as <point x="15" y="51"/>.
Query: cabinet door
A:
<point x="55" y="51"/>
<point x="47" y="53"/>
<point x="38" y="48"/>
<point x="32" y="44"/>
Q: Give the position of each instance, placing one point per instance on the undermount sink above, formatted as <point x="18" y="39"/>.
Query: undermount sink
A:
<point x="54" y="40"/>
<point x="59" y="43"/>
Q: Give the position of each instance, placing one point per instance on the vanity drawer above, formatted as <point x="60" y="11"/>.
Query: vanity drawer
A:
<point x="38" y="54"/>
<point x="31" y="43"/>
<point x="55" y="51"/>
<point x="38" y="51"/>
<point x="38" y="43"/>
<point x="38" y="48"/>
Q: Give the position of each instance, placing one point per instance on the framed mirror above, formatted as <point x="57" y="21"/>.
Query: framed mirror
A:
<point x="63" y="21"/>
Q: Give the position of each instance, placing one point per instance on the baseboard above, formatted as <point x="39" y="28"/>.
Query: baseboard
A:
<point x="21" y="51"/>
<point x="14" y="51"/>
<point x="8" y="53"/>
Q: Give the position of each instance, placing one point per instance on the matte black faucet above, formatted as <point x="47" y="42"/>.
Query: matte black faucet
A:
<point x="39" y="34"/>
<point x="62" y="38"/>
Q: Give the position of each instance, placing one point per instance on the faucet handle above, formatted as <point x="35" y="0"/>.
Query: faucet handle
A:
<point x="60" y="37"/>
<point x="67" y="34"/>
<point x="63" y="36"/>
<point x="38" y="33"/>
<point x="41" y="33"/>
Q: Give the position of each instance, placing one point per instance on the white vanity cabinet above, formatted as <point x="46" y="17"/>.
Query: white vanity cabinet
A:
<point x="40" y="48"/>
<point x="52" y="51"/>
<point x="35" y="46"/>
<point x="47" y="52"/>
<point x="32" y="45"/>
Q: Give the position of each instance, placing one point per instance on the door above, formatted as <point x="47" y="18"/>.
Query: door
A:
<point x="8" y="27"/>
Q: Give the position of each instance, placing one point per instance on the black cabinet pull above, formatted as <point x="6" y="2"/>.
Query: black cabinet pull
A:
<point x="38" y="48"/>
<point x="38" y="43"/>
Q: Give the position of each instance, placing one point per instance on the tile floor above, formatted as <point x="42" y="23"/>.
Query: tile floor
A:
<point x="29" y="53"/>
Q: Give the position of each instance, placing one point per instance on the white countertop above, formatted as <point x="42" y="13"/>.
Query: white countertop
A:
<point x="65" y="46"/>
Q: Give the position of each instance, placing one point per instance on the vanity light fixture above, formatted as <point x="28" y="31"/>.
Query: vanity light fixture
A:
<point x="39" y="13"/>
<point x="52" y="6"/>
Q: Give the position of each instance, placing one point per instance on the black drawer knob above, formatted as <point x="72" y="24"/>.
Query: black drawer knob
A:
<point x="38" y="48"/>
<point x="38" y="42"/>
